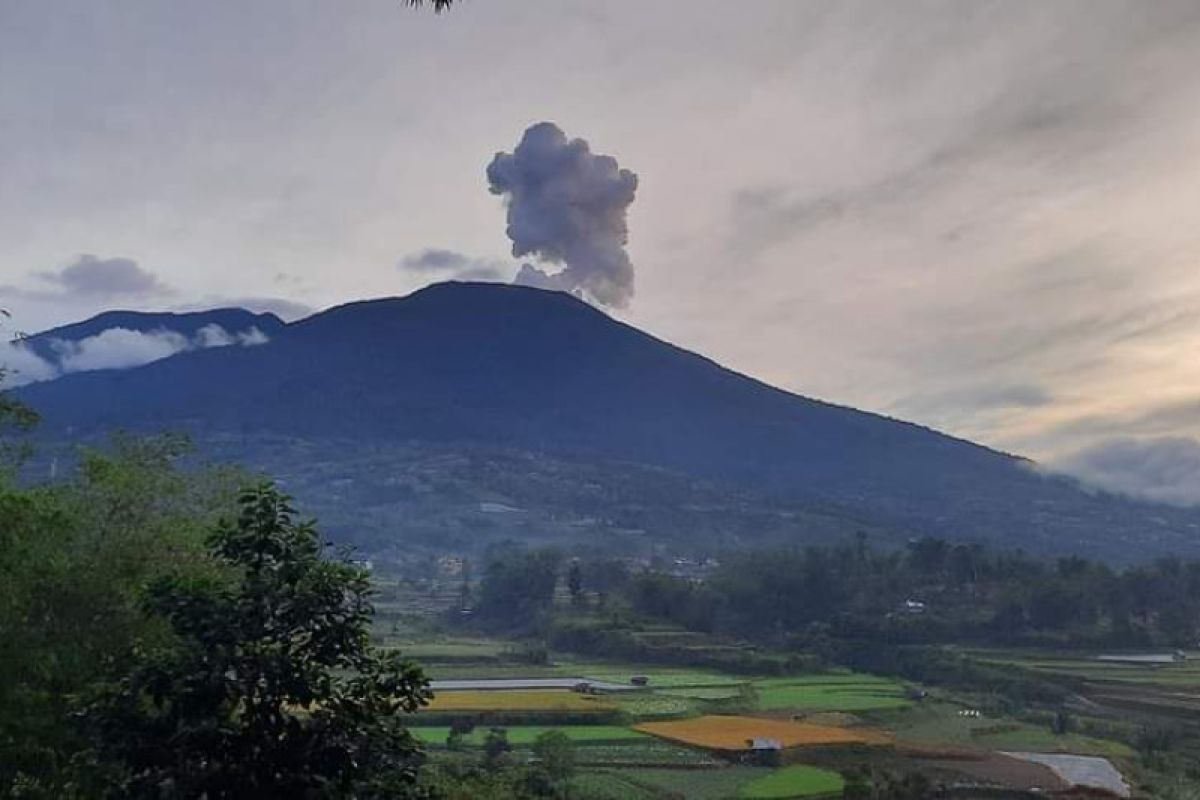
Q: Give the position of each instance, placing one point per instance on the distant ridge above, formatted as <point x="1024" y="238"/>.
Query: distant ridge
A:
<point x="186" y="323"/>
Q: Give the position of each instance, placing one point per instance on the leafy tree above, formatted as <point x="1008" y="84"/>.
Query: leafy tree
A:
<point x="518" y="587"/>
<point x="575" y="583"/>
<point x="16" y="418"/>
<point x="73" y="558"/>
<point x="268" y="687"/>
<point x="555" y="754"/>
<point x="496" y="747"/>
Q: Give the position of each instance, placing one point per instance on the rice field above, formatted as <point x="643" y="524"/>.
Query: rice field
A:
<point x="797" y="781"/>
<point x="734" y="733"/>
<point x="563" y="701"/>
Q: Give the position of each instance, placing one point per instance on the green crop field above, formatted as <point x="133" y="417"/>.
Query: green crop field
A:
<point x="526" y="734"/>
<point x="483" y="649"/>
<point x="647" y="752"/>
<point x="609" y="785"/>
<point x="849" y="693"/>
<point x="797" y="781"/>
<point x="645" y="705"/>
<point x="695" y="784"/>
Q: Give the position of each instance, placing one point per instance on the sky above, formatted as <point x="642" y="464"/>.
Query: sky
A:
<point x="978" y="216"/>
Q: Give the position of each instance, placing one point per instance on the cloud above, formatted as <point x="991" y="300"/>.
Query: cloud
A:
<point x="453" y="264"/>
<point x="114" y="348"/>
<point x="976" y="399"/>
<point x="90" y="276"/>
<point x="215" y="336"/>
<point x="1165" y="469"/>
<point x="567" y="206"/>
<point x="118" y="348"/>
<point x="19" y="365"/>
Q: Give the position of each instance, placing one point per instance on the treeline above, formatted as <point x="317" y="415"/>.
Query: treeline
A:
<point x="930" y="592"/>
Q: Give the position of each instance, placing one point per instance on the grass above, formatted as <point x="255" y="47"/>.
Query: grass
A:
<point x="797" y="781"/>
<point x="565" y="701"/>
<point x="526" y="734"/>
<point x="732" y="733"/>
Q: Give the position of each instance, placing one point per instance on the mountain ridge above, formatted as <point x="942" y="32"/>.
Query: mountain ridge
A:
<point x="513" y="367"/>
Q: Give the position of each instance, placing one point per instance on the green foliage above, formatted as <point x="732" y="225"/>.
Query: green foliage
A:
<point x="518" y="587"/>
<point x="496" y="747"/>
<point x="555" y="753"/>
<point x="73" y="558"/>
<point x="813" y="598"/>
<point x="268" y="686"/>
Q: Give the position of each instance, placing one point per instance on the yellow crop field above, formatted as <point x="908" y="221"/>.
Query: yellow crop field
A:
<point x="518" y="701"/>
<point x="735" y="733"/>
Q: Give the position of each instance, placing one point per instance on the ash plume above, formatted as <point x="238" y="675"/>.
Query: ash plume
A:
<point x="567" y="206"/>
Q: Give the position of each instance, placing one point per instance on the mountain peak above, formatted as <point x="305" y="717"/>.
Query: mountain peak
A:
<point x="494" y="365"/>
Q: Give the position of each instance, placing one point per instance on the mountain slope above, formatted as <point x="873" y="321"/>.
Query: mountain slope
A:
<point x="524" y="369"/>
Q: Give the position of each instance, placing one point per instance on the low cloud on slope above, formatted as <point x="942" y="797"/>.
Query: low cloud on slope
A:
<point x="114" y="348"/>
<point x="1165" y="469"/>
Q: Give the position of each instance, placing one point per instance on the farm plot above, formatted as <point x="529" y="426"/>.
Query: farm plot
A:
<point x="558" y="701"/>
<point x="797" y="781"/>
<point x="702" y="784"/>
<point x="820" y="693"/>
<point x="526" y="734"/>
<point x="646" y="752"/>
<point x="734" y="733"/>
<point x="939" y="725"/>
<point x="656" y="705"/>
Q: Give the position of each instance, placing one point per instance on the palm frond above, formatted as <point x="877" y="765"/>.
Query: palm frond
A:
<point x="438" y="5"/>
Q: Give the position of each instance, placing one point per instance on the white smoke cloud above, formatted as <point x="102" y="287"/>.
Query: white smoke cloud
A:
<point x="1165" y="469"/>
<point x="114" y="348"/>
<point x="567" y="206"/>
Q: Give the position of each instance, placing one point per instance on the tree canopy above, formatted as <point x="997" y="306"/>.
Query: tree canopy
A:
<point x="269" y="686"/>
